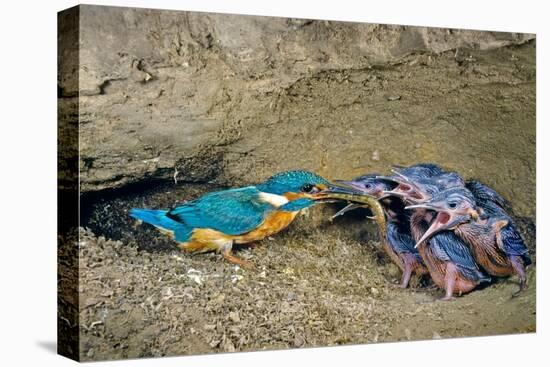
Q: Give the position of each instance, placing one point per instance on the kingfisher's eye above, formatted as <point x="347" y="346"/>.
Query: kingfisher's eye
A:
<point x="307" y="188"/>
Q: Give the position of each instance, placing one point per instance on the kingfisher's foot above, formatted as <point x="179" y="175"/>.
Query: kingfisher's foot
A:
<point x="400" y="285"/>
<point x="238" y="261"/>
<point x="519" y="268"/>
<point x="431" y="287"/>
<point x="522" y="288"/>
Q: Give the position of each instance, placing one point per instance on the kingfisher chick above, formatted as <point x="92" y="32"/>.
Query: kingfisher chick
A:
<point x="217" y="220"/>
<point x="420" y="170"/>
<point x="398" y="242"/>
<point x="450" y="262"/>
<point x="495" y="242"/>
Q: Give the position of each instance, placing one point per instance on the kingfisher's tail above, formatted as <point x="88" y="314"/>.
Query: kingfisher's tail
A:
<point x="159" y="219"/>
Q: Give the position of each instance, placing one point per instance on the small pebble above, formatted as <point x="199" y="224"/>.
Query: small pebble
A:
<point x="394" y="98"/>
<point x="299" y="341"/>
<point x="228" y="346"/>
<point x="234" y="316"/>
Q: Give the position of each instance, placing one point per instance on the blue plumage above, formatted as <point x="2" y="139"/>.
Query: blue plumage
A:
<point x="232" y="212"/>
<point x="290" y="181"/>
<point x="447" y="246"/>
<point x="484" y="194"/>
<point x="513" y="244"/>
<point x="400" y="239"/>
<point x="420" y="170"/>
<point x="159" y="219"/>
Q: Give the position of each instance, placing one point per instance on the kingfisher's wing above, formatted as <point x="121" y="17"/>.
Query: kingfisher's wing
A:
<point x="400" y="239"/>
<point x="513" y="243"/>
<point x="485" y="195"/>
<point x="448" y="247"/>
<point x="232" y="212"/>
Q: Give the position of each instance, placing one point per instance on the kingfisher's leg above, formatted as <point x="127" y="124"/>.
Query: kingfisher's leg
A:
<point x="224" y="248"/>
<point x="450" y="281"/>
<point x="517" y="264"/>
<point x="227" y="253"/>
<point x="407" y="270"/>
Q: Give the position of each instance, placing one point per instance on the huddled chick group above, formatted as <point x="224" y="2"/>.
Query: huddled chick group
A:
<point x="457" y="231"/>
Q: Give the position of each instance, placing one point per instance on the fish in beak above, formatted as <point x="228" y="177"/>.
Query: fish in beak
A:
<point x="346" y="209"/>
<point x="356" y="198"/>
<point x="347" y="187"/>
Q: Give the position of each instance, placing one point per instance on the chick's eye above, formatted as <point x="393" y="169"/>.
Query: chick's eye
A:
<point x="307" y="188"/>
<point x="452" y="205"/>
<point x="368" y="186"/>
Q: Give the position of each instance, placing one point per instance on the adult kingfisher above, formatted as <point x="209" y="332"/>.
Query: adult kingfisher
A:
<point x="217" y="220"/>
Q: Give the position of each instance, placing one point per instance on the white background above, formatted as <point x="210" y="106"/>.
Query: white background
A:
<point x="28" y="181"/>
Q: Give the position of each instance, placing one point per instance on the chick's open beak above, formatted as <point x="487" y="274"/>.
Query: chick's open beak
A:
<point x="426" y="205"/>
<point x="442" y="221"/>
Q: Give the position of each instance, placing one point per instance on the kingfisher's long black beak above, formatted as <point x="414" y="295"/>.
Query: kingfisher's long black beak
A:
<point x="339" y="190"/>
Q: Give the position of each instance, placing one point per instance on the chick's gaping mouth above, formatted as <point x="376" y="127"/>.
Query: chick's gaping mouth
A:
<point x="442" y="218"/>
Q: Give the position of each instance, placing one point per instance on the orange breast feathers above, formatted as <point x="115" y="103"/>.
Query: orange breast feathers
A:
<point x="275" y="222"/>
<point x="206" y="239"/>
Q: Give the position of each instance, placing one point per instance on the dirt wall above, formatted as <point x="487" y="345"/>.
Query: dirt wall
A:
<point x="232" y="99"/>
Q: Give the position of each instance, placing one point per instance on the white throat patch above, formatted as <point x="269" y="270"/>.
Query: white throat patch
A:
<point x="275" y="200"/>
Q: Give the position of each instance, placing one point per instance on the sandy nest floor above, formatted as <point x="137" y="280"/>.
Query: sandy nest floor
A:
<point x="317" y="286"/>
